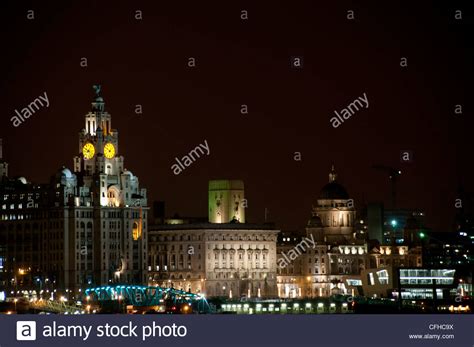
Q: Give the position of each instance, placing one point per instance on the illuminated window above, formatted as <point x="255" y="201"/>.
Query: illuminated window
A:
<point x="354" y="282"/>
<point x="370" y="277"/>
<point x="136" y="232"/>
<point x="383" y="276"/>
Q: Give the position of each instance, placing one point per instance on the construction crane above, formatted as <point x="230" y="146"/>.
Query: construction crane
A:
<point x="393" y="175"/>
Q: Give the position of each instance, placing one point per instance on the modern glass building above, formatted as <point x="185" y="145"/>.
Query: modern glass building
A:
<point x="422" y="283"/>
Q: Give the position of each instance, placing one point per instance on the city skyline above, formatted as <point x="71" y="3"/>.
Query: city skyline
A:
<point x="295" y="225"/>
<point x="236" y="159"/>
<point x="248" y="62"/>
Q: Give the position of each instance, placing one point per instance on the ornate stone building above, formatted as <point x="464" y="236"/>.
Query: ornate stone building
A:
<point x="229" y="259"/>
<point x="83" y="228"/>
<point x="334" y="264"/>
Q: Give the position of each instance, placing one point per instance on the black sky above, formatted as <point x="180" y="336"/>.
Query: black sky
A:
<point x="248" y="62"/>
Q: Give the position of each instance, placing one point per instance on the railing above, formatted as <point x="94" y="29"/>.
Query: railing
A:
<point x="53" y="306"/>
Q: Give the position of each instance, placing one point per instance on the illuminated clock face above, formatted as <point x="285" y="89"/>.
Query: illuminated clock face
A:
<point x="109" y="150"/>
<point x="88" y="150"/>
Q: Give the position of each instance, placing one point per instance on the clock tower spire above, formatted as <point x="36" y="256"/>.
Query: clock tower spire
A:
<point x="108" y="202"/>
<point x="99" y="163"/>
<point x="98" y="142"/>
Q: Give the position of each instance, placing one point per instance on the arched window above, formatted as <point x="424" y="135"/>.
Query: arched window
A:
<point x="113" y="195"/>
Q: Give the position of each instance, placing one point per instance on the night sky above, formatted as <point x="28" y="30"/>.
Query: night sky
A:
<point x="248" y="62"/>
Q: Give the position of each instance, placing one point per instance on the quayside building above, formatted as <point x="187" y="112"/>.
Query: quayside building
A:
<point x="87" y="226"/>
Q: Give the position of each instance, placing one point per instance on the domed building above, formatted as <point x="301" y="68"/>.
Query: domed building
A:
<point x="334" y="212"/>
<point x="66" y="178"/>
<point x="330" y="259"/>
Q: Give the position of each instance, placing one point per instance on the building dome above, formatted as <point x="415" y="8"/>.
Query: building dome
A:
<point x="333" y="191"/>
<point x="65" y="172"/>
<point x="22" y="180"/>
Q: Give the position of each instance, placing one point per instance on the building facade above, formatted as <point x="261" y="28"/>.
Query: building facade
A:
<point x="230" y="260"/>
<point x="227" y="258"/>
<point x="337" y="255"/>
<point x="86" y="227"/>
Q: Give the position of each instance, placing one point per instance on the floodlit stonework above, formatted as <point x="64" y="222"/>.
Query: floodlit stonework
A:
<point x="86" y="227"/>
<point x="334" y="265"/>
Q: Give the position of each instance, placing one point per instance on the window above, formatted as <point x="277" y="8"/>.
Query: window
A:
<point x="370" y="277"/>
<point x="136" y="232"/>
<point x="383" y="276"/>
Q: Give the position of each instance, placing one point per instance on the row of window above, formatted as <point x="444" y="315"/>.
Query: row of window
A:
<point x="176" y="238"/>
<point x="241" y="256"/>
<point x="257" y="265"/>
<point x="22" y="196"/>
<point x="110" y="214"/>
<point x="316" y="270"/>
<point x="316" y="260"/>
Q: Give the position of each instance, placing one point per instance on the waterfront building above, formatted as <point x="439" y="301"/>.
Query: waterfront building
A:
<point x="87" y="226"/>
<point x="224" y="257"/>
<point x="339" y="255"/>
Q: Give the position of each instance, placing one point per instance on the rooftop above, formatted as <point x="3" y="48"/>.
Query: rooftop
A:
<point x="215" y="226"/>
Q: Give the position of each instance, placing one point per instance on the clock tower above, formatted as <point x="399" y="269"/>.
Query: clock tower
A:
<point x="99" y="162"/>
<point x="98" y="142"/>
<point x="108" y="198"/>
<point x="94" y="218"/>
